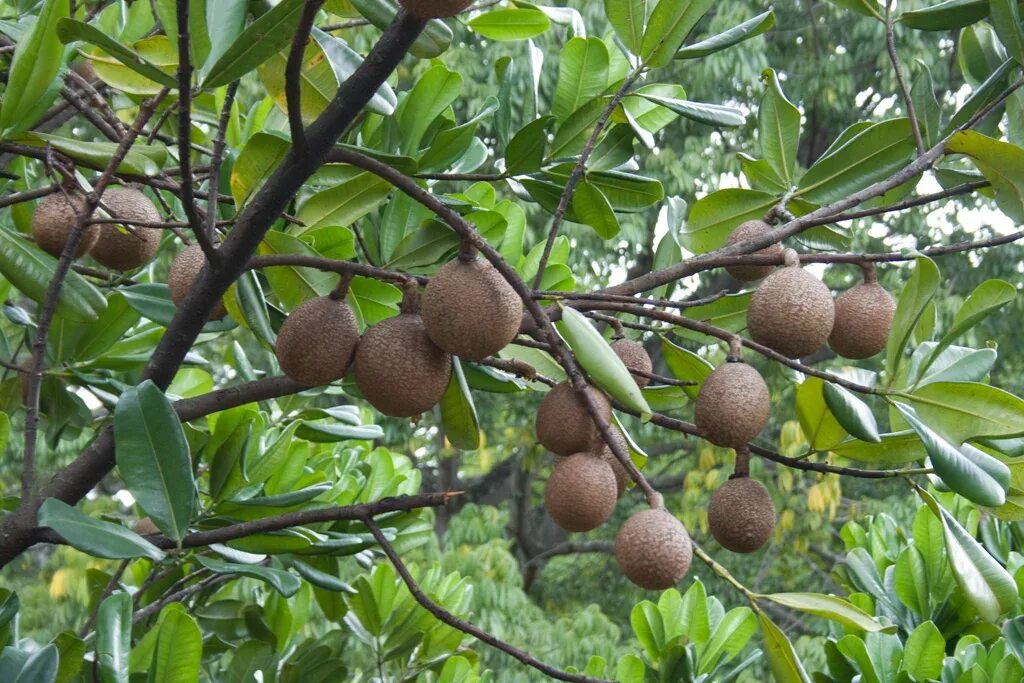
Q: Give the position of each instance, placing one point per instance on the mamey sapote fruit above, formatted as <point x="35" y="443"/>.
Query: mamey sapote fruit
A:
<point x="791" y="312"/>
<point x="435" y="9"/>
<point x="864" y="316"/>
<point x="122" y="249"/>
<point x="733" y="405"/>
<point x="746" y="231"/>
<point x="399" y="370"/>
<point x="604" y="451"/>
<point x="581" y="492"/>
<point x="635" y="357"/>
<point x="741" y="515"/>
<point x="469" y="310"/>
<point x="55" y="218"/>
<point x="653" y="549"/>
<point x="316" y="343"/>
<point x="185" y="268"/>
<point x="563" y="424"/>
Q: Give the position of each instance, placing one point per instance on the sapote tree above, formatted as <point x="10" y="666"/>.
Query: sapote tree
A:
<point x="272" y="188"/>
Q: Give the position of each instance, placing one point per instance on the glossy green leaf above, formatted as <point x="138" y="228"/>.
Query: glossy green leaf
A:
<point x="435" y="38"/>
<point x="41" y="666"/>
<point x="372" y="300"/>
<point x="179" y="647"/>
<point x="913" y="299"/>
<point x="345" y="203"/>
<point x="1006" y="19"/>
<point x="434" y="92"/>
<point x="829" y="607"/>
<point x="294" y="285"/>
<point x="70" y="30"/>
<point x="864" y="8"/>
<point x="851" y="412"/>
<point x="603" y="366"/>
<point x="714" y="216"/>
<point x="926" y="106"/>
<point x="263" y="153"/>
<point x="959" y="364"/>
<point x="897" y="448"/>
<point x="114" y="637"/>
<point x="627" y="18"/>
<point x="30" y="269"/>
<point x="582" y="75"/>
<point x="525" y="152"/>
<point x="924" y="652"/>
<point x="153" y="301"/>
<point x="945" y="16"/>
<point x="510" y="23"/>
<point x="986" y="299"/>
<point x="225" y="20"/>
<point x="818" y="423"/>
<point x="592" y="208"/>
<point x="870" y="156"/>
<point x="685" y="365"/>
<point x="458" y="413"/>
<point x="986" y="584"/>
<point x="285" y="583"/>
<point x="778" y="125"/>
<point x="967" y="470"/>
<point x="728" y="638"/>
<point x="782" y="659"/>
<point x="36" y="63"/>
<point x="140" y="160"/>
<point x="1002" y="164"/>
<point x="94" y="536"/>
<point x="983" y="96"/>
<point x="261" y="40"/>
<point x="670" y="23"/>
<point x="966" y="410"/>
<point x="153" y="458"/>
<point x="750" y="28"/>
<point x="344" y="61"/>
<point x="702" y="112"/>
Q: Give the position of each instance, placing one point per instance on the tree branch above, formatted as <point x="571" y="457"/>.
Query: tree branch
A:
<point x="218" y="158"/>
<point x="293" y="74"/>
<point x="908" y="101"/>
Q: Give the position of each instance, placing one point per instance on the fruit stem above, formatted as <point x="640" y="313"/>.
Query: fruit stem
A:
<point x="410" y="297"/>
<point x="656" y="501"/>
<point x="341" y="291"/>
<point x="790" y="257"/>
<point x="618" y="331"/>
<point x="467" y="250"/>
<point x="742" y="468"/>
<point x="869" y="271"/>
<point x="735" y="350"/>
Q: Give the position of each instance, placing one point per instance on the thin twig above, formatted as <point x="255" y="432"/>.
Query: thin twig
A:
<point x="293" y="74"/>
<point x="218" y="158"/>
<point x="115" y="579"/>
<point x="908" y="100"/>
<point x="27" y="195"/>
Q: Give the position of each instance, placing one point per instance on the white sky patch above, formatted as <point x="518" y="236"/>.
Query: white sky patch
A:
<point x="125" y="498"/>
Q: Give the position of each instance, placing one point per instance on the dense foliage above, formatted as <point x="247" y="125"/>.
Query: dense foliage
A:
<point x="176" y="509"/>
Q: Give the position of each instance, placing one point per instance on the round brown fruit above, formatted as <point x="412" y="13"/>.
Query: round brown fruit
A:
<point x="605" y="452"/>
<point x="747" y="230"/>
<point x="119" y="248"/>
<point x="733" y="405"/>
<point x="185" y="268"/>
<point x="435" y="9"/>
<point x="864" y="316"/>
<point x="469" y="310"/>
<point x="653" y="549"/>
<point x="55" y="218"/>
<point x="398" y="369"/>
<point x="791" y="312"/>
<point x="317" y="341"/>
<point x="563" y="424"/>
<point x="741" y="515"/>
<point x="581" y="492"/>
<point x="634" y="356"/>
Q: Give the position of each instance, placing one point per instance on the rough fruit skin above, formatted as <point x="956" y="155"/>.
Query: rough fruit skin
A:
<point x="53" y="220"/>
<point x="733" y="405"/>
<point x="435" y="9"/>
<point x="185" y="269"/>
<point x="653" y="549"/>
<point x="398" y="369"/>
<point x="121" y="250"/>
<point x="316" y="343"/>
<point x="745" y="231"/>
<point x="469" y="309"/>
<point x="581" y="492"/>
<point x="604" y="451"/>
<point x="741" y="515"/>
<point x="863" y="320"/>
<point x="634" y="356"/>
<point x="563" y="424"/>
<point x="791" y="312"/>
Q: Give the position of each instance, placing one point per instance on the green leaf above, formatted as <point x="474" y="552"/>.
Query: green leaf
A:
<point x="592" y="208"/>
<point x="818" y="423"/>
<point x="924" y="652"/>
<point x="36" y="63"/>
<point x="582" y="75"/>
<point x="344" y="61"/>
<point x="913" y="300"/>
<point x="179" y="647"/>
<point x="70" y="30"/>
<point x="670" y="23"/>
<point x="985" y="583"/>
<point x="685" y="365"/>
<point x="945" y="16"/>
<point x="967" y="410"/>
<point x="525" y="152"/>
<point x="852" y="413"/>
<point x="112" y="324"/>
<point x="433" y="93"/>
<point x="929" y="114"/>
<point x="285" y="583"/>
<point x="701" y="112"/>
<point x="729" y="637"/>
<point x="714" y="216"/>
<point x="140" y="159"/>
<point x="510" y="23"/>
<point x="897" y="448"/>
<point x="435" y="38"/>
<point x="458" y="413"/>
<point x="153" y="301"/>
<point x="829" y="607"/>
<point x="1006" y="20"/>
<point x="263" y="153"/>
<point x="601" y="363"/>
<point x="372" y="300"/>
<point x="737" y="34"/>
<point x="153" y="458"/>
<point x="627" y="18"/>
<point x="1002" y="164"/>
<point x="114" y="637"/>
<point x="41" y="666"/>
<point x="94" y="536"/>
<point x="293" y="285"/>
<point x="972" y="473"/>
<point x="872" y="155"/>
<point x="778" y="125"/>
<point x="981" y="97"/>
<point x="30" y="270"/>
<point x="225" y="20"/>
<point x="345" y="203"/>
<point x="986" y="299"/>
<point x="264" y="38"/>
<point x="782" y="658"/>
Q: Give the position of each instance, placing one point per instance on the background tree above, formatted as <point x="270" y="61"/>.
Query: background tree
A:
<point x="177" y="508"/>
